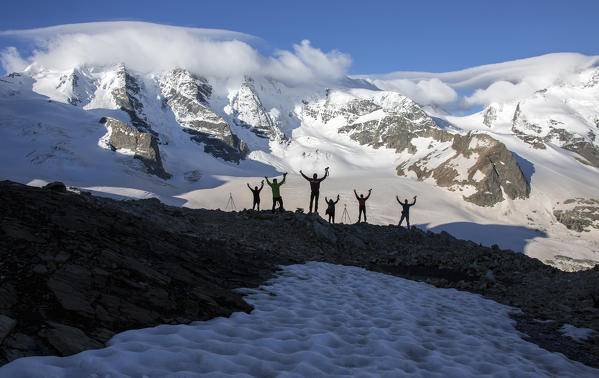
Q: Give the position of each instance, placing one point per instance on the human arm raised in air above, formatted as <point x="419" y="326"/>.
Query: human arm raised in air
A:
<point x="326" y="173"/>
<point x="304" y="176"/>
<point x="268" y="182"/>
<point x="249" y="186"/>
<point x="337" y="199"/>
<point x="284" y="177"/>
<point x="368" y="196"/>
<point x="261" y="186"/>
<point x="356" y="194"/>
<point x="397" y="198"/>
<point x="413" y="203"/>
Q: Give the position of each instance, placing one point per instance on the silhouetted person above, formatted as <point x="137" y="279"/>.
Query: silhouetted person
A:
<point x="256" y="193"/>
<point x="315" y="187"/>
<point x="331" y="208"/>
<point x="276" y="192"/>
<point x="405" y="210"/>
<point x="362" y="202"/>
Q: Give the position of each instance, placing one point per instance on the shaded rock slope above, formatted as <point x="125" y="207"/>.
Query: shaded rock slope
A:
<point x="75" y="269"/>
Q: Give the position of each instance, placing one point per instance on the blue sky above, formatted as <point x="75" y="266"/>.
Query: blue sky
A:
<point x="380" y="36"/>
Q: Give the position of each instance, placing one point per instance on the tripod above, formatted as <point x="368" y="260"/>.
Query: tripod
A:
<point x="345" y="215"/>
<point x="231" y="203"/>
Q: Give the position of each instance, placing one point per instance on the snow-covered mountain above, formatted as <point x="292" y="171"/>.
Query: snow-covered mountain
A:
<point x="187" y="133"/>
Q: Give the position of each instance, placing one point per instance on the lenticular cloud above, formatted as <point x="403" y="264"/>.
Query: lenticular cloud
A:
<point x="147" y="47"/>
<point x="488" y="83"/>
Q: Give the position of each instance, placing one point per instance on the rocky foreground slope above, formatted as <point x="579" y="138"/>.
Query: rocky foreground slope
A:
<point x="76" y="269"/>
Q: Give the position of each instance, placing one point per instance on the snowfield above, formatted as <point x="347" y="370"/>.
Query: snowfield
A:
<point x="320" y="319"/>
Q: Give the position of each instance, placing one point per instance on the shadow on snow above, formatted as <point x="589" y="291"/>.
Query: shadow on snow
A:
<point x="505" y="236"/>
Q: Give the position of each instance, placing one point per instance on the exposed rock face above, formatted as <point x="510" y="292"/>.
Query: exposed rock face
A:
<point x="526" y="131"/>
<point x="188" y="95"/>
<point x="556" y="132"/>
<point x="477" y="164"/>
<point x="247" y="111"/>
<point x="578" y="214"/>
<point x="112" y="265"/>
<point x="489" y="116"/>
<point x="141" y="145"/>
<point x="126" y="94"/>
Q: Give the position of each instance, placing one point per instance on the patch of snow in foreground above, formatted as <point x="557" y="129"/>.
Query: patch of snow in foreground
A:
<point x="319" y="319"/>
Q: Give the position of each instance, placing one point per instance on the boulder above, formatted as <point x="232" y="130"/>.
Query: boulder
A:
<point x="6" y="326"/>
<point x="68" y="340"/>
<point x="56" y="186"/>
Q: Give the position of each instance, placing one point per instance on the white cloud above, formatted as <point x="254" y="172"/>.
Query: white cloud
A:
<point x="146" y="47"/>
<point x="482" y="85"/>
<point x="426" y="92"/>
<point x="11" y="60"/>
<point x="501" y="91"/>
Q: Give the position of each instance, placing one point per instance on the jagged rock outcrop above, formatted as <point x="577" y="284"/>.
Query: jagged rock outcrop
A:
<point x="127" y="96"/>
<point x="557" y="133"/>
<point x="78" y="87"/>
<point x="187" y="95"/>
<point x="578" y="214"/>
<point x="247" y="111"/>
<point x="76" y="268"/>
<point x="143" y="146"/>
<point x="476" y="164"/>
<point x="489" y="116"/>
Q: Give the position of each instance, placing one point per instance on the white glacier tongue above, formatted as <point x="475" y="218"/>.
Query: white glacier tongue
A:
<point x="319" y="319"/>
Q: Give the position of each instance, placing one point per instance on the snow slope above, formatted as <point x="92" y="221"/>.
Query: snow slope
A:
<point x="320" y="319"/>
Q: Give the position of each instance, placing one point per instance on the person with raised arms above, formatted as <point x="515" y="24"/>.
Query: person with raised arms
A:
<point x="276" y="192"/>
<point x="405" y="211"/>
<point x="331" y="208"/>
<point x="362" y="204"/>
<point x="256" y="194"/>
<point x="315" y="187"/>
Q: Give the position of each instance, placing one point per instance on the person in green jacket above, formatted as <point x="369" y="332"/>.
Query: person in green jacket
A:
<point x="276" y="192"/>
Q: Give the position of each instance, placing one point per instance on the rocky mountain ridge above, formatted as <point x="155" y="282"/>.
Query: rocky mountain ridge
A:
<point x="477" y="164"/>
<point x="216" y="123"/>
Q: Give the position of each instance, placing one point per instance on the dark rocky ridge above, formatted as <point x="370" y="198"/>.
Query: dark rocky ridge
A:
<point x="75" y="268"/>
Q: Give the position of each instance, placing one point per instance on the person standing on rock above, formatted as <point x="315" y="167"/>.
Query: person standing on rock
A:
<point x="362" y="204"/>
<point x="331" y="208"/>
<point x="405" y="211"/>
<point x="256" y="194"/>
<point x="315" y="187"/>
<point x="276" y="192"/>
